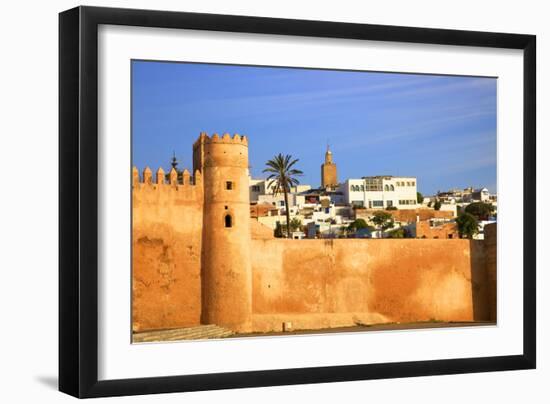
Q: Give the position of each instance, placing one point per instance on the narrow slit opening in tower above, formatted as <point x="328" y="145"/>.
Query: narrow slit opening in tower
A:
<point x="228" y="221"/>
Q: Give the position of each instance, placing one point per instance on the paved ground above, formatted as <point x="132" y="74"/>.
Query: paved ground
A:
<point x="374" y="327"/>
<point x="179" y="334"/>
<point x="215" y="332"/>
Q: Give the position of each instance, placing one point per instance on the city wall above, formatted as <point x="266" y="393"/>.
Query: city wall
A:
<point x="197" y="257"/>
<point x="308" y="283"/>
<point x="166" y="251"/>
<point x="329" y="283"/>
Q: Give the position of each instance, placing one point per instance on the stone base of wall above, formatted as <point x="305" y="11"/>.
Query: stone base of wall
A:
<point x="275" y="322"/>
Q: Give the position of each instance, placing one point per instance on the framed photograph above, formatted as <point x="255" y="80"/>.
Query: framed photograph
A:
<point x="250" y="201"/>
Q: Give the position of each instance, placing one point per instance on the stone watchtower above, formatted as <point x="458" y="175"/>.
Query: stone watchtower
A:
<point x="226" y="274"/>
<point x="329" y="176"/>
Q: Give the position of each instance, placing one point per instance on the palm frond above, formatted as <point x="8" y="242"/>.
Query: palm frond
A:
<point x="270" y="170"/>
<point x="289" y="166"/>
<point x="281" y="174"/>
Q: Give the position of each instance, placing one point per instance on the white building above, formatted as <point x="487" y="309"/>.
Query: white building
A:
<point x="478" y="195"/>
<point x="256" y="188"/>
<point x="466" y="195"/>
<point x="261" y="190"/>
<point x="381" y="192"/>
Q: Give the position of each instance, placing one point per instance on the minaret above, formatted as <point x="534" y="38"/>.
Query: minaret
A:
<point x="178" y="174"/>
<point x="329" y="176"/>
<point x="226" y="273"/>
<point x="175" y="161"/>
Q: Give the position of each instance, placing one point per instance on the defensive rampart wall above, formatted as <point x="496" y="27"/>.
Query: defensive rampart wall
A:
<point x="166" y="250"/>
<point x="328" y="283"/>
<point x="197" y="256"/>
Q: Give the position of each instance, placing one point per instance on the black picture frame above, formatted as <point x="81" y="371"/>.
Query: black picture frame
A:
<point x="78" y="201"/>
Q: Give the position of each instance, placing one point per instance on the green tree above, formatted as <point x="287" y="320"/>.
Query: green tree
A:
<point x="359" y="224"/>
<point x="282" y="176"/>
<point x="382" y="219"/>
<point x="295" y="224"/>
<point x="480" y="210"/>
<point x="419" y="197"/>
<point x="391" y="208"/>
<point x="397" y="233"/>
<point x="278" y="230"/>
<point x="437" y="205"/>
<point x="467" y="225"/>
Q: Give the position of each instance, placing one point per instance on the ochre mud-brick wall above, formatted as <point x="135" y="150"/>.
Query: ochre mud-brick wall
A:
<point x="166" y="252"/>
<point x="342" y="282"/>
<point x="197" y="257"/>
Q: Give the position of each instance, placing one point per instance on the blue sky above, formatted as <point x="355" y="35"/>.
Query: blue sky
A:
<point x="440" y="129"/>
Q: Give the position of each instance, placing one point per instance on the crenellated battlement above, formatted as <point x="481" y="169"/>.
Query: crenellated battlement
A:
<point x="226" y="138"/>
<point x="170" y="191"/>
<point x="160" y="178"/>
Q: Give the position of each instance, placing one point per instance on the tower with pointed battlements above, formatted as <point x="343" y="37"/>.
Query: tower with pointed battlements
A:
<point x="226" y="274"/>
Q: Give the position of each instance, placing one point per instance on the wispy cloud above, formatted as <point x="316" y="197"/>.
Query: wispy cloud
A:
<point x="453" y="88"/>
<point x="423" y="129"/>
<point x="468" y="164"/>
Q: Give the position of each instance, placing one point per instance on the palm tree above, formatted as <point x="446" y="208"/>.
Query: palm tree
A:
<point x="282" y="178"/>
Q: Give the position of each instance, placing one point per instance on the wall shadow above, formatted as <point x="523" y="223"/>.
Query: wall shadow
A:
<point x="479" y="281"/>
<point x="483" y="275"/>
